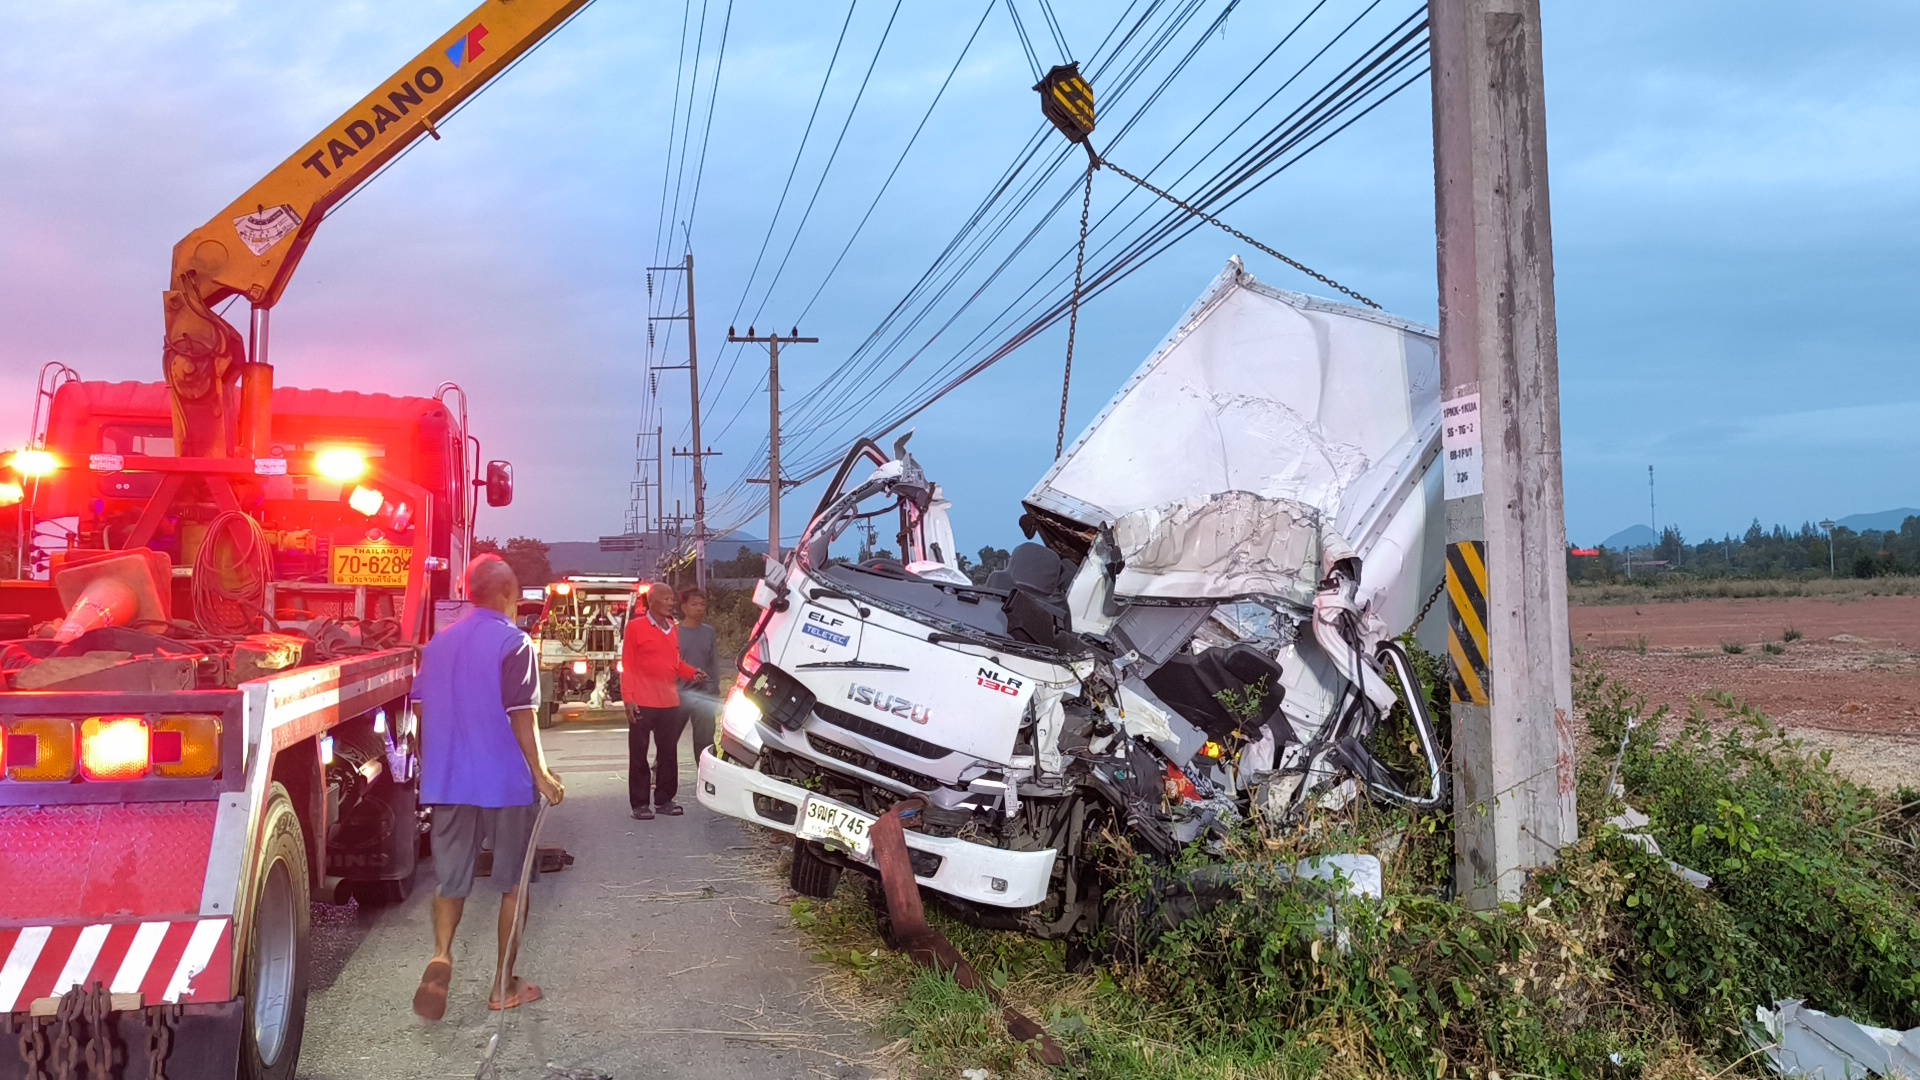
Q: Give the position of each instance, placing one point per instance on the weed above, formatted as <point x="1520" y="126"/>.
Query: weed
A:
<point x="1610" y="965"/>
<point x="1772" y="648"/>
<point x="1790" y="635"/>
<point x="1732" y="647"/>
<point x="1641" y="645"/>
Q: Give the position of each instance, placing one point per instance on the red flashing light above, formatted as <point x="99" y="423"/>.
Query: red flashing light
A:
<point x="1585" y="553"/>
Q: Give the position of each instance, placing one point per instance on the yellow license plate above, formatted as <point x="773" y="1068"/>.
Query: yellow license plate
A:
<point x="382" y="565"/>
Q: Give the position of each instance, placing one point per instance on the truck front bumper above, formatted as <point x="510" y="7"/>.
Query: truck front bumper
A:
<point x="966" y="870"/>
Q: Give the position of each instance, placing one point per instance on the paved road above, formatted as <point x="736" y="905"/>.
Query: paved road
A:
<point x="664" y="950"/>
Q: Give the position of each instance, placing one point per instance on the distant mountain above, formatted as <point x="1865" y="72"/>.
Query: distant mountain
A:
<point x="1633" y="536"/>
<point x="1885" y="520"/>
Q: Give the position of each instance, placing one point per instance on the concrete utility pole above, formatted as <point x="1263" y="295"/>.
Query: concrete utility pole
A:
<point x="699" y="453"/>
<point x="1505" y="510"/>
<point x="776" y="483"/>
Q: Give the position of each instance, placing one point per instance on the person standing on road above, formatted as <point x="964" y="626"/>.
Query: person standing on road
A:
<point x="650" y="673"/>
<point x="700" y="648"/>
<point x="481" y="768"/>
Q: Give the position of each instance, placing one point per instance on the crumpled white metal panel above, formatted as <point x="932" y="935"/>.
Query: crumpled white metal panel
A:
<point x="1288" y="397"/>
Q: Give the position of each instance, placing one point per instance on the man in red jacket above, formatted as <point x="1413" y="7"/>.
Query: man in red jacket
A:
<point x="650" y="675"/>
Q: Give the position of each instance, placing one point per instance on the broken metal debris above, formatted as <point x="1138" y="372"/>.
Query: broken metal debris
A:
<point x="1799" y="1041"/>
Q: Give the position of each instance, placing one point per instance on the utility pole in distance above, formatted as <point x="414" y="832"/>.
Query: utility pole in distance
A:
<point x="776" y="482"/>
<point x="1505" y="508"/>
<point x="699" y="453"/>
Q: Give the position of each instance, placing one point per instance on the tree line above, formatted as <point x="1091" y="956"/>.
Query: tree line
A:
<point x="1778" y="552"/>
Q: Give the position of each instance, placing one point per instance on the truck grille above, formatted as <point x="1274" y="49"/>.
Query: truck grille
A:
<point x="872" y="764"/>
<point x="880" y="733"/>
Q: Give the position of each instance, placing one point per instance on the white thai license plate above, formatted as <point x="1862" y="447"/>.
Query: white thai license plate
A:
<point x="836" y="826"/>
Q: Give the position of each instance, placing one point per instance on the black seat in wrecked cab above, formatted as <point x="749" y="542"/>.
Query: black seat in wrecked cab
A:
<point x="1035" y="580"/>
<point x="1191" y="684"/>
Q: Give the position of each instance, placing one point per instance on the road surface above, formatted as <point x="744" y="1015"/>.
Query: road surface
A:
<point x="664" y="951"/>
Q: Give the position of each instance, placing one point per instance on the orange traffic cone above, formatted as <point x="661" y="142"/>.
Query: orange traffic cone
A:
<point x="113" y="591"/>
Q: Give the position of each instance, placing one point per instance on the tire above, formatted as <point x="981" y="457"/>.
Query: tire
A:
<point x="549" y="705"/>
<point x="274" y="976"/>
<point x="813" y="874"/>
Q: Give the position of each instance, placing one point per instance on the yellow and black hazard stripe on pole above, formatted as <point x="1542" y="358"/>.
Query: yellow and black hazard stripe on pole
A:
<point x="1467" y="620"/>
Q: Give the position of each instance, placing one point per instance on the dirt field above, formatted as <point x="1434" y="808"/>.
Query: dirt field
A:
<point x="1848" y="683"/>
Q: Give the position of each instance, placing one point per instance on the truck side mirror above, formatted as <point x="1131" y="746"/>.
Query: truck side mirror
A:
<point x="499" y="483"/>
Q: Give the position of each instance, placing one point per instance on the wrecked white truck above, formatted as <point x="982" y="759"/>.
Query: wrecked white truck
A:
<point x="1201" y="630"/>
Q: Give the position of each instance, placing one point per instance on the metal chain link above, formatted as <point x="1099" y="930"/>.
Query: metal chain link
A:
<point x="1237" y="234"/>
<point x="97" y="1007"/>
<point x="33" y="1045"/>
<point x="1073" y="318"/>
<point x="1428" y="606"/>
<point x="66" y="1042"/>
<point x="160" y="1021"/>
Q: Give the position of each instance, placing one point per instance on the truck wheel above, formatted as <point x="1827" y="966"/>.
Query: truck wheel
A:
<point x="549" y="703"/>
<point x="813" y="874"/>
<point x="274" y="978"/>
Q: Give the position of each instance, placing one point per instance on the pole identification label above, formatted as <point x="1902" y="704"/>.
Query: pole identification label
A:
<point x="1460" y="446"/>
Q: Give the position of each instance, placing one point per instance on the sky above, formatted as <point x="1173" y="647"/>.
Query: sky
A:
<point x="1735" y="194"/>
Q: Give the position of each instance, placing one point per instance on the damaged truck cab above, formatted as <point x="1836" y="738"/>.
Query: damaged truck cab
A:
<point x="1185" y="644"/>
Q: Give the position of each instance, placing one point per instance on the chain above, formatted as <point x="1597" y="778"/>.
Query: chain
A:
<point x="160" y="1021"/>
<point x="33" y="1045"/>
<point x="1073" y="319"/>
<point x="1428" y="606"/>
<point x="1237" y="234"/>
<point x="66" y="1043"/>
<point x="97" y="1008"/>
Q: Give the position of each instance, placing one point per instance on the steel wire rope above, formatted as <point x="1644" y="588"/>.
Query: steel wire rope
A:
<point x="1026" y="44"/>
<point x="1100" y="284"/>
<point x="799" y="152"/>
<point x="1034" y="145"/>
<point x="1060" y="156"/>
<point x="1172" y="218"/>
<point x="1158" y="41"/>
<point x="900" y="160"/>
<point x="1067" y="193"/>
<point x="1156" y="44"/>
<point x="1308" y="132"/>
<point x="825" y="170"/>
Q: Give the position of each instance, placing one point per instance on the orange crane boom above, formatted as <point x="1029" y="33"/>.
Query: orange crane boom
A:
<point x="252" y="247"/>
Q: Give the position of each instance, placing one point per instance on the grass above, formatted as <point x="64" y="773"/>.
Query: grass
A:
<point x="1679" y="587"/>
<point x="1772" y="648"/>
<point x="1611" y="966"/>
<point x="1732" y="648"/>
<point x="1790" y="635"/>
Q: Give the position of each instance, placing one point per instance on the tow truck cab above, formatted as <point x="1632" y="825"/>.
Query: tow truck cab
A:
<point x="174" y="790"/>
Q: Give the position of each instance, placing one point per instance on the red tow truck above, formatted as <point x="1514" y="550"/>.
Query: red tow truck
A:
<point x="207" y="653"/>
<point x="171" y="798"/>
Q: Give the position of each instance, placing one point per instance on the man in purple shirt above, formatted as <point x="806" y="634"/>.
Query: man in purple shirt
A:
<point x="481" y="767"/>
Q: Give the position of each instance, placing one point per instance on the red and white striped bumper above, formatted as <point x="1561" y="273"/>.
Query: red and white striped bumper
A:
<point x="163" y="962"/>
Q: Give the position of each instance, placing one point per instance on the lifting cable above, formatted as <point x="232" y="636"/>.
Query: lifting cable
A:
<point x="1066" y="100"/>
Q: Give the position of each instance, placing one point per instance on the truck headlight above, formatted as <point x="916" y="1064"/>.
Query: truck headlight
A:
<point x="740" y="716"/>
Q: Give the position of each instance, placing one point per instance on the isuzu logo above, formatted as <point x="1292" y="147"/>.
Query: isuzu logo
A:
<point x="889" y="703"/>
